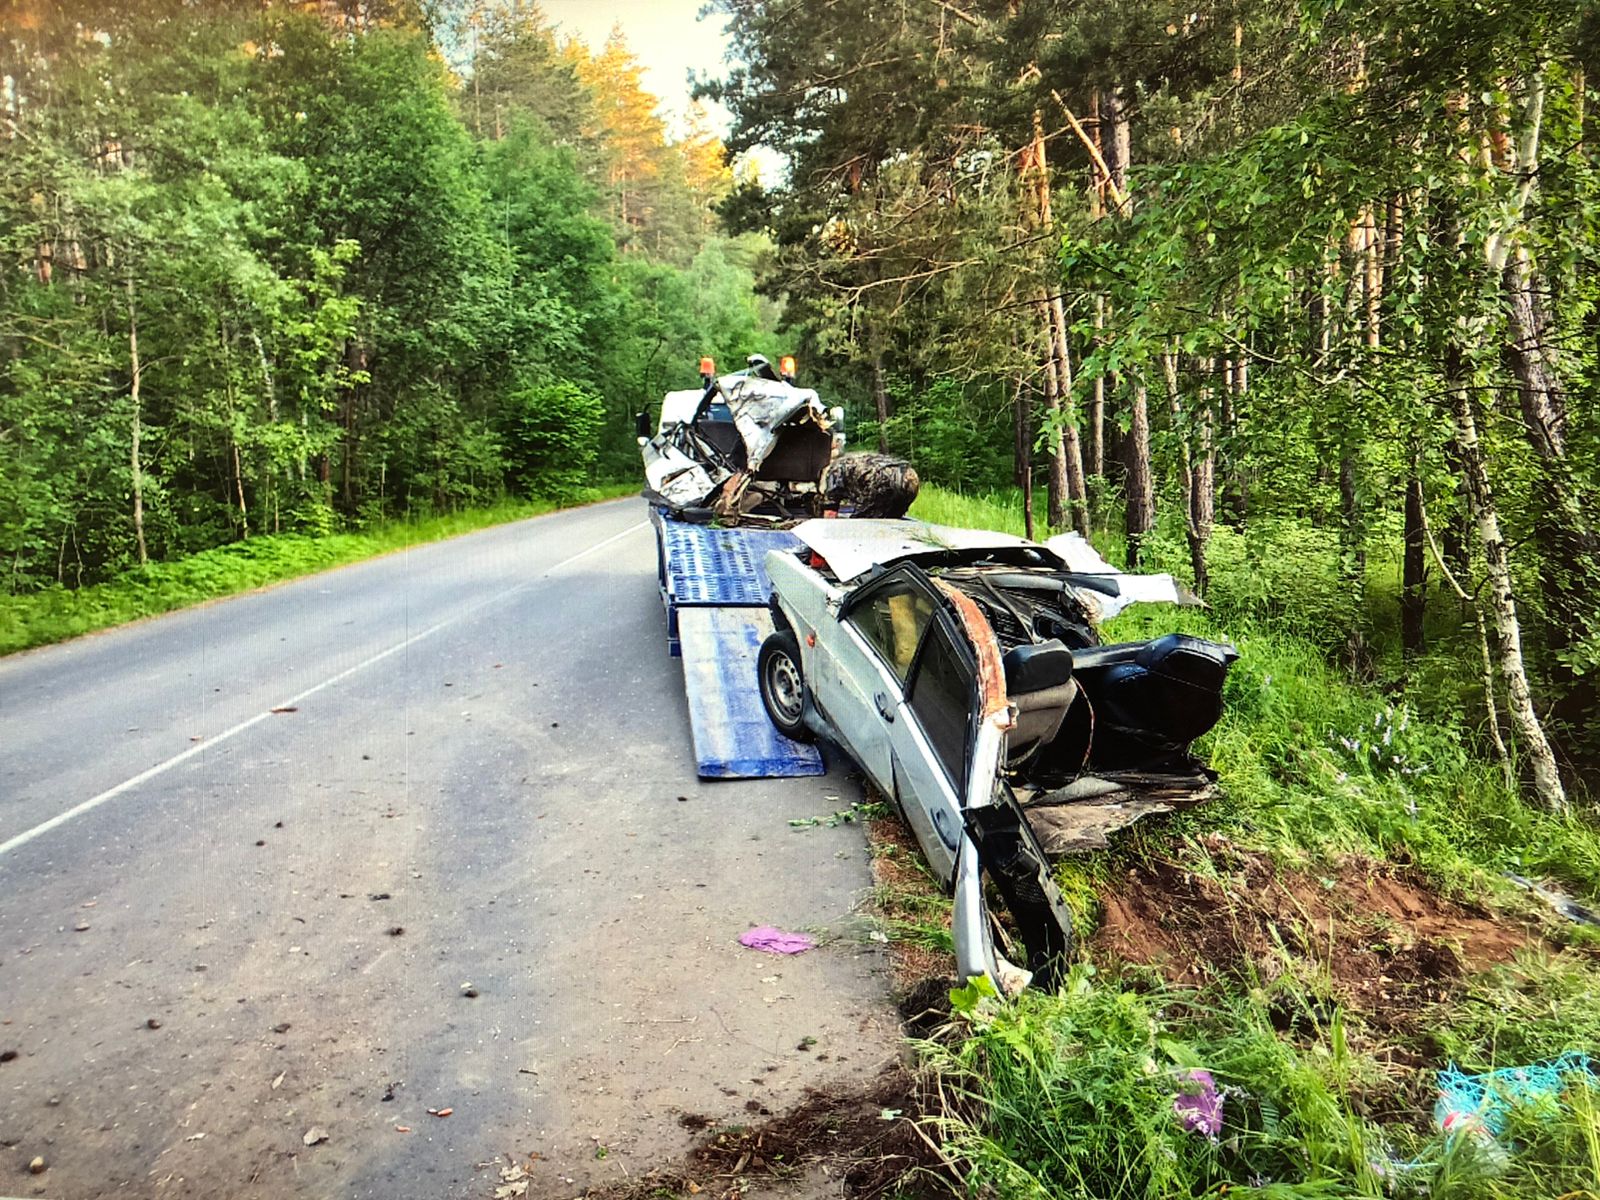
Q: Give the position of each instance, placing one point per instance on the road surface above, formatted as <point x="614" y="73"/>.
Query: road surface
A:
<point x="254" y="857"/>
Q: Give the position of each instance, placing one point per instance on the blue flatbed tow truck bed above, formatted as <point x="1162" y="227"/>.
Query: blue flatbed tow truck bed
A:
<point x="715" y="589"/>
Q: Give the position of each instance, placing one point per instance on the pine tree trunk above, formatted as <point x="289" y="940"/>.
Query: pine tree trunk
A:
<point x="1502" y="603"/>
<point x="1058" y="492"/>
<point x="135" y="378"/>
<point x="1140" y="512"/>
<point x="1096" y="464"/>
<point x="1119" y="146"/>
<point x="1186" y="474"/>
<point x="1024" y="453"/>
<point x="1065" y="451"/>
<point x="1071" y="447"/>
<point x="880" y="400"/>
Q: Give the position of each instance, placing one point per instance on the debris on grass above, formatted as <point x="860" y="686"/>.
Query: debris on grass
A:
<point x="1198" y="1104"/>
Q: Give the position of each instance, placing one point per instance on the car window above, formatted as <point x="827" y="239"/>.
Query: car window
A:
<point x="893" y="620"/>
<point x="941" y="699"/>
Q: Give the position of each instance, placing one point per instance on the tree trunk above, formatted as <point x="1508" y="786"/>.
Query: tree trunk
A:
<point x="1413" y="582"/>
<point x="1140" y="512"/>
<point x="1566" y="536"/>
<point x="1021" y="451"/>
<point x="880" y="400"/>
<point x="1066" y="452"/>
<point x="1056" y="512"/>
<point x="238" y="486"/>
<point x="1502" y="603"/>
<point x="1485" y="658"/>
<point x="1203" y="501"/>
<point x="1024" y="453"/>
<point x="135" y="377"/>
<point x="1119" y="146"/>
<point x="1096" y="464"/>
<point x="1186" y="475"/>
<point x="1071" y="448"/>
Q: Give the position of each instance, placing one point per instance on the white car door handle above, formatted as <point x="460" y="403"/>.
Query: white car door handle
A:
<point x="885" y="708"/>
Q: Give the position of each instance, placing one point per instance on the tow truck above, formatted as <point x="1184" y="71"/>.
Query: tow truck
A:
<point x="729" y="467"/>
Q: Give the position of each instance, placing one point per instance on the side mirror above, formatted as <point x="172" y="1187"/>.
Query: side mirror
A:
<point x="642" y="426"/>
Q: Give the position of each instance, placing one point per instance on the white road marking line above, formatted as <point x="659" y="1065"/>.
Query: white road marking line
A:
<point x="161" y="768"/>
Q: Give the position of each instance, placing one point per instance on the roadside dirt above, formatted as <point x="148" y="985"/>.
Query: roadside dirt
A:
<point x="859" y="1142"/>
<point x="1368" y="935"/>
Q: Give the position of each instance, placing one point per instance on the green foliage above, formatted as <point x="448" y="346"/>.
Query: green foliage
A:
<point x="354" y="289"/>
<point x="551" y="435"/>
<point x="1072" y="1094"/>
<point x="946" y="430"/>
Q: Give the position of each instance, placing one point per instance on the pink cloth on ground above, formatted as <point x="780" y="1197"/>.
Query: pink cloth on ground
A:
<point x="776" y="941"/>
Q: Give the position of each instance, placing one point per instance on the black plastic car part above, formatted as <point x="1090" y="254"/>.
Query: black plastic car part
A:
<point x="1152" y="698"/>
<point x="1011" y="857"/>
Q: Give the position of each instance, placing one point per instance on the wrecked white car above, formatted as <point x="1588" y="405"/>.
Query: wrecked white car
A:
<point x="753" y="446"/>
<point x="963" y="672"/>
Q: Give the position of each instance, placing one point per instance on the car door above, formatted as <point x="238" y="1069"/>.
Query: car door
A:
<point x="907" y="657"/>
<point x="931" y="741"/>
<point x="860" y="683"/>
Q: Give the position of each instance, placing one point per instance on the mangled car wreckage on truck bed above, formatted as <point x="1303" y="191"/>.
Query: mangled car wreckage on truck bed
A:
<point x="752" y="447"/>
<point x="963" y="672"/>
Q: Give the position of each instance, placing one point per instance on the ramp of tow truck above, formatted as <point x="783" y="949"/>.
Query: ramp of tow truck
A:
<point x="733" y="738"/>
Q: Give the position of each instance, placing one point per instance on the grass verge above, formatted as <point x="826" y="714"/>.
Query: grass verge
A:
<point x="56" y="614"/>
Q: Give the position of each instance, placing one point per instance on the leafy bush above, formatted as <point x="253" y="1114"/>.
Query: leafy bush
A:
<point x="551" y="435"/>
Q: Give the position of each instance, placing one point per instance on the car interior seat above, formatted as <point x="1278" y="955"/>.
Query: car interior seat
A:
<point x="724" y="437"/>
<point x="1041" y="688"/>
<point x="1153" y="697"/>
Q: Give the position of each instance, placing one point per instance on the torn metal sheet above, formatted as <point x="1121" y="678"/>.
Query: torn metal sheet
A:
<point x="1080" y="818"/>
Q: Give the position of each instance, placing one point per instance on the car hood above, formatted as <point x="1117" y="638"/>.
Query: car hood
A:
<point x="853" y="547"/>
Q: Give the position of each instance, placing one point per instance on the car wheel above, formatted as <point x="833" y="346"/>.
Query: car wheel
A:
<point x="783" y="686"/>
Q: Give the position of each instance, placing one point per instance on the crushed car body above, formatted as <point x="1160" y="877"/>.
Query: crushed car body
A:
<point x="752" y="446"/>
<point x="964" y="673"/>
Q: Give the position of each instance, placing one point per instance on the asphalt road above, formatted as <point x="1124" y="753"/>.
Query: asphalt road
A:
<point x="222" y="926"/>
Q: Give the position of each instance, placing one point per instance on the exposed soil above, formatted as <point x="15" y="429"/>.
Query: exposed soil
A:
<point x="859" y="1143"/>
<point x="1369" y="936"/>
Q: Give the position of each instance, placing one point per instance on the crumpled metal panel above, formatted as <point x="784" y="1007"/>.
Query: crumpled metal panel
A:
<point x="761" y="407"/>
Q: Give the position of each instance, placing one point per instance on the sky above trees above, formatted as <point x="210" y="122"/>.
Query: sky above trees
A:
<point x="667" y="36"/>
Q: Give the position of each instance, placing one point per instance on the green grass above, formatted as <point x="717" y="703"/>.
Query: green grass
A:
<point x="1001" y="511"/>
<point x="40" y="618"/>
<point x="1070" y="1095"/>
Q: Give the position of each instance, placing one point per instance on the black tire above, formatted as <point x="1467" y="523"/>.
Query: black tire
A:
<point x="783" y="686"/>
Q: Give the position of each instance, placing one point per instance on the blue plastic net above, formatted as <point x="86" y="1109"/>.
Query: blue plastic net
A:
<point x="1492" y="1095"/>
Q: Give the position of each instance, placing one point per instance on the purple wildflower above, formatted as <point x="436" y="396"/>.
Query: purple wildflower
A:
<point x="1198" y="1104"/>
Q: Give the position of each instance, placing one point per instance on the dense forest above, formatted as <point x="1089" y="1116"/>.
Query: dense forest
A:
<point x="1303" y="290"/>
<point x="302" y="267"/>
